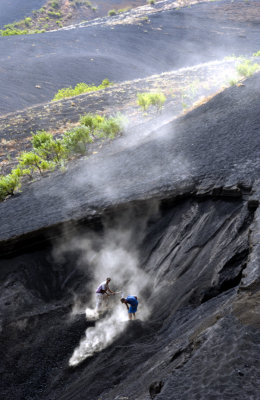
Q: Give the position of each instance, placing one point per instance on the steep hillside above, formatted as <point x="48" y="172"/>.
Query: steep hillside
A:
<point x="120" y="48"/>
<point x="169" y="210"/>
<point x="188" y="222"/>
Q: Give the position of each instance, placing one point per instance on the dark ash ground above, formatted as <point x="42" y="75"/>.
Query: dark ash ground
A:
<point x="201" y="250"/>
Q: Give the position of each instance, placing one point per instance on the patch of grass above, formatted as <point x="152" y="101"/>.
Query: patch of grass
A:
<point x="54" y="14"/>
<point x="151" y="2"/>
<point x="14" y="31"/>
<point x="122" y="10"/>
<point x="257" y="54"/>
<point x="247" y="68"/>
<point x="79" y="89"/>
<point x="55" y="4"/>
<point x="233" y="82"/>
<point x="146" y="100"/>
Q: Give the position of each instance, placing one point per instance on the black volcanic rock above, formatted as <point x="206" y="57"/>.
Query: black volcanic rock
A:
<point x="200" y="250"/>
<point x="187" y="196"/>
<point x="213" y="149"/>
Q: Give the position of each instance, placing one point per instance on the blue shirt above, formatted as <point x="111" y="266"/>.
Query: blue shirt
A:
<point x="132" y="301"/>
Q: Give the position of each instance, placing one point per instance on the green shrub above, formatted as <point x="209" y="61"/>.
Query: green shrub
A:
<point x="111" y="13"/>
<point x="151" y="2"/>
<point x="100" y="126"/>
<point x="75" y="140"/>
<point x="55" y="4"/>
<point x="27" y="21"/>
<point x="48" y="148"/>
<point x="109" y="128"/>
<point x="80" y="88"/>
<point x="33" y="162"/>
<point x="121" y="10"/>
<point x="145" y="100"/>
<point x="54" y="14"/>
<point x="92" y="121"/>
<point x="48" y="153"/>
<point x="257" y="54"/>
<point x="247" y="68"/>
<point x="233" y="82"/>
<point x="9" y="183"/>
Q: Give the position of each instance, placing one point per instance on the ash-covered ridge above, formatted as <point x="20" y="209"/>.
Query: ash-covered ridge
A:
<point x="167" y="40"/>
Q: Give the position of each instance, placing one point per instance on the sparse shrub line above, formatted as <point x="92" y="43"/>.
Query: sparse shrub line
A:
<point x="80" y="88"/>
<point x="49" y="153"/>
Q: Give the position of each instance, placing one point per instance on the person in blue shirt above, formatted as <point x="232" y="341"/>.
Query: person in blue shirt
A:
<point x="133" y="302"/>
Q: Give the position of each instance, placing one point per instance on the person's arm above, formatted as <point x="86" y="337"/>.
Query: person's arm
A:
<point x="127" y="306"/>
<point x="110" y="291"/>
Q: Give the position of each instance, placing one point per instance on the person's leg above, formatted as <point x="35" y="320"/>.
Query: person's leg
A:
<point x="99" y="301"/>
<point x="133" y="315"/>
<point x="130" y="316"/>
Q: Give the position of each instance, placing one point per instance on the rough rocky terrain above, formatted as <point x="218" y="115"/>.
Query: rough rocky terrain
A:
<point x="174" y="207"/>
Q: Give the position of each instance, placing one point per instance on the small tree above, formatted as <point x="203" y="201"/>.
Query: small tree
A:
<point x="32" y="162"/>
<point x="48" y="148"/>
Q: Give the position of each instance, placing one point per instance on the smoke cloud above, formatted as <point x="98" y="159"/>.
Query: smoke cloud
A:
<point x="113" y="253"/>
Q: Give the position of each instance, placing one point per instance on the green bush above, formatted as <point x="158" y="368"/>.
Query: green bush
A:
<point x="111" y="13"/>
<point x="8" y="184"/>
<point x="75" y="140"/>
<point x="145" y="100"/>
<point x="54" y="14"/>
<point x="48" y="148"/>
<point x="100" y="126"/>
<point x="257" y="54"/>
<point x="49" y="152"/>
<point x="80" y="88"/>
<point x="247" y="68"/>
<point x="27" y="21"/>
<point x="122" y="10"/>
<point x="92" y="121"/>
<point x="109" y="128"/>
<point x="55" y="4"/>
<point x="32" y="162"/>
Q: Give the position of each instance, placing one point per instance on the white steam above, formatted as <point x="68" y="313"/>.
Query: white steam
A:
<point x="99" y="337"/>
<point x="114" y="253"/>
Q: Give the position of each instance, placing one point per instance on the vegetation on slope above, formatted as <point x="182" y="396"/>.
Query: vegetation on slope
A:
<point x="147" y="99"/>
<point x="79" y="89"/>
<point x="55" y="14"/>
<point x="49" y="153"/>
